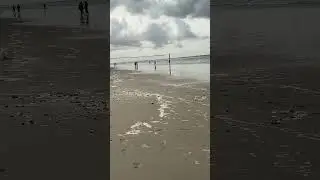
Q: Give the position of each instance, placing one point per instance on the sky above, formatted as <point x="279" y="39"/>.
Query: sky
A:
<point x="156" y="27"/>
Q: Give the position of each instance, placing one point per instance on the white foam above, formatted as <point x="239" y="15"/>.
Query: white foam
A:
<point x="133" y="132"/>
<point x="135" y="129"/>
<point x="163" y="106"/>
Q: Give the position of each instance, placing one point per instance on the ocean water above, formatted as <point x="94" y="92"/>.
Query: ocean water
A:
<point x="191" y="67"/>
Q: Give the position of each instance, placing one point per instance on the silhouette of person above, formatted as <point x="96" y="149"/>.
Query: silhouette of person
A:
<point x="80" y="7"/>
<point x="14" y="10"/>
<point x="45" y="8"/>
<point x="18" y="9"/>
<point x="155" y="65"/>
<point x="86" y="7"/>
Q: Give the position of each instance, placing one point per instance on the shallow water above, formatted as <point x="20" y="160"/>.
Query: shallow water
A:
<point x="192" y="71"/>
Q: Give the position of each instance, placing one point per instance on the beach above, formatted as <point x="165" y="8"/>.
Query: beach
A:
<point x="54" y="110"/>
<point x="265" y="95"/>
<point x="159" y="126"/>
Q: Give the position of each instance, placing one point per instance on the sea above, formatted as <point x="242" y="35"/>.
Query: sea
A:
<point x="66" y="14"/>
<point x="193" y="67"/>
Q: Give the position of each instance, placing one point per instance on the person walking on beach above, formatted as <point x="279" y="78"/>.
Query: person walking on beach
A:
<point x="18" y="9"/>
<point x="80" y="7"/>
<point x="44" y="9"/>
<point x="86" y="7"/>
<point x="14" y="10"/>
<point x="155" y="65"/>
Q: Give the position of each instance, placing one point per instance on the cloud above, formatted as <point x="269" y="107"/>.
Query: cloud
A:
<point x="173" y="8"/>
<point x="120" y="34"/>
<point x="158" y="34"/>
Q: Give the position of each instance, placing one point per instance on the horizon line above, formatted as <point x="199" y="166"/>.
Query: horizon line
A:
<point x="133" y="57"/>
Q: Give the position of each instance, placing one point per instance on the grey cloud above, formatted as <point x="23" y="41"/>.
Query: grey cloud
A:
<point x="184" y="30"/>
<point x="193" y="8"/>
<point x="117" y="38"/>
<point x="182" y="9"/>
<point x="158" y="34"/>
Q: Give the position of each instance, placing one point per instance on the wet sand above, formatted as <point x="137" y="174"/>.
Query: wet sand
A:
<point x="265" y="95"/>
<point x="159" y="127"/>
<point x="266" y="122"/>
<point x="54" y="115"/>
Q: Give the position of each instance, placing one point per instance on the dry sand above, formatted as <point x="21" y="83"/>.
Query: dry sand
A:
<point x="53" y="110"/>
<point x="265" y="95"/>
<point x="159" y="127"/>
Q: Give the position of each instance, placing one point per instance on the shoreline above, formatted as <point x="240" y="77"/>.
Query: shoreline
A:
<point x="163" y="75"/>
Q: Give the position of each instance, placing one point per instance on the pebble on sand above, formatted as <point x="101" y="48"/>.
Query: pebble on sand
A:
<point x="14" y="97"/>
<point x="136" y="165"/>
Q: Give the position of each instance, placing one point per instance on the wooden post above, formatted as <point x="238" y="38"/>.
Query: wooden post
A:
<point x="169" y="65"/>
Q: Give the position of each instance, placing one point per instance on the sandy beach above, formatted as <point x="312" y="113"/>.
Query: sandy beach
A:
<point x="54" y="114"/>
<point x="159" y="127"/>
<point x="265" y="94"/>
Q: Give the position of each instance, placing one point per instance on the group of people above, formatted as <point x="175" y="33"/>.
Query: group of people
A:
<point x="16" y="10"/>
<point x="84" y="8"/>
<point x="136" y="65"/>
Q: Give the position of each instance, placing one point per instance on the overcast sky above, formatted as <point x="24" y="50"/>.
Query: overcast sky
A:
<point x="150" y="27"/>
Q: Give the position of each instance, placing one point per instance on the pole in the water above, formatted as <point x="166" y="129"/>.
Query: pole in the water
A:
<point x="169" y="65"/>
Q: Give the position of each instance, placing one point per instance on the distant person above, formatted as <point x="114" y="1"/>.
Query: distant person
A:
<point x="114" y="65"/>
<point x="135" y="65"/>
<point x="80" y="7"/>
<point x="155" y="65"/>
<point x="18" y="8"/>
<point x="44" y="9"/>
<point x="86" y="7"/>
<point x="14" y="10"/>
